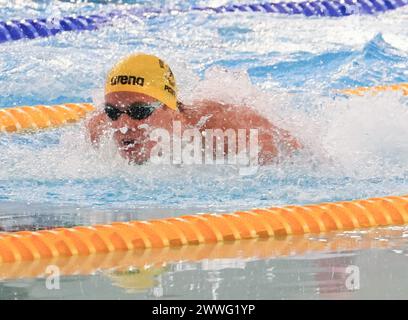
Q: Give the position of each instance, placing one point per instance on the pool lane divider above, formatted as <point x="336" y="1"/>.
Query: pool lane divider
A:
<point x="34" y="118"/>
<point x="36" y="28"/>
<point x="209" y="254"/>
<point x="206" y="228"/>
<point x="360" y="91"/>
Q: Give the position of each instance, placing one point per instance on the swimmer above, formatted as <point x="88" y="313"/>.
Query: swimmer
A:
<point x="141" y="95"/>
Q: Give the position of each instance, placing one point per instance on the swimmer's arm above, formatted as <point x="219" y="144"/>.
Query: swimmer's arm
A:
<point x="242" y="117"/>
<point x="270" y="137"/>
<point x="96" y="126"/>
<point x="270" y="142"/>
<point x="290" y="142"/>
<point x="269" y="134"/>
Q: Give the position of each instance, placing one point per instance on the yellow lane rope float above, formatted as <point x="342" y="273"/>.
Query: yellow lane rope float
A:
<point x="363" y="90"/>
<point x="203" y="229"/>
<point x="157" y="258"/>
<point x="30" y="118"/>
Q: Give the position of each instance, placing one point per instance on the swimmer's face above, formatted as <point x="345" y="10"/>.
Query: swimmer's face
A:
<point x="131" y="135"/>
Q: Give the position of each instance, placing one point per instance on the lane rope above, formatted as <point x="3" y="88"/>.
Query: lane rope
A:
<point x="360" y="91"/>
<point x="248" y="250"/>
<point x="33" y="118"/>
<point x="37" y="28"/>
<point x="208" y="228"/>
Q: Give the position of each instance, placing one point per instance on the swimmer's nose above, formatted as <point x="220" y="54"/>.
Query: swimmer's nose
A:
<point x="123" y="130"/>
<point x="134" y="128"/>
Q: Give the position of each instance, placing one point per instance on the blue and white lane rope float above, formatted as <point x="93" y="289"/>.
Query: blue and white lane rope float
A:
<point x="36" y="28"/>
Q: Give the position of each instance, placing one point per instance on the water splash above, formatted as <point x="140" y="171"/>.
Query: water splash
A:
<point x="354" y="147"/>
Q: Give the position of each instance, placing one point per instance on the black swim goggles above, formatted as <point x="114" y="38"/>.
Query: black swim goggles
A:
<point x="137" y="110"/>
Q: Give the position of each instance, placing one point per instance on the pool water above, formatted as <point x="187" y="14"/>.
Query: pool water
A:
<point x="288" y="68"/>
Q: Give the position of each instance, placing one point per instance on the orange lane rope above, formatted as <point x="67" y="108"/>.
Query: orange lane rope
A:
<point x="203" y="229"/>
<point x="31" y="118"/>
<point x="374" y="90"/>
<point x="157" y="258"/>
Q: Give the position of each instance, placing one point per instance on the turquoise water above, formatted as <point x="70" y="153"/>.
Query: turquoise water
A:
<point x="288" y="68"/>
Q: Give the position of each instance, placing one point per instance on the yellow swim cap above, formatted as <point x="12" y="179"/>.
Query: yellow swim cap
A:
<point x="145" y="74"/>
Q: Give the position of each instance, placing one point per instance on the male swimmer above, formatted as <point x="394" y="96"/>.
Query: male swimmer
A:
<point x="141" y="95"/>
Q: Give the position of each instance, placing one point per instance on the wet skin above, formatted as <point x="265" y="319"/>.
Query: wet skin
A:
<point x="132" y="136"/>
